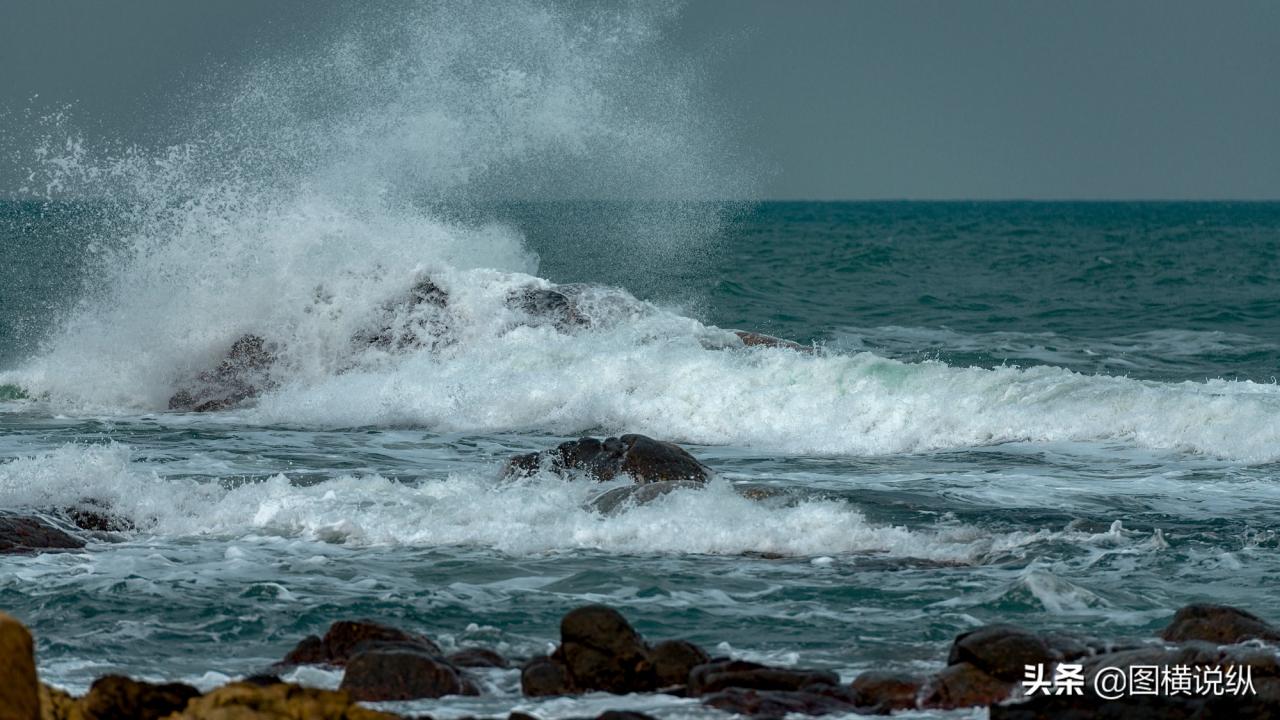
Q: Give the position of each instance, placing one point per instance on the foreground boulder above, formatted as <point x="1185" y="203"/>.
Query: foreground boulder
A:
<point x="243" y="373"/>
<point x="1001" y="651"/>
<point x="345" y="638"/>
<point x="599" y="650"/>
<point x="249" y="701"/>
<point x="402" y="672"/>
<point x="780" y="703"/>
<point x="19" y="688"/>
<point x="115" y="696"/>
<point x="25" y="534"/>
<point x="639" y="456"/>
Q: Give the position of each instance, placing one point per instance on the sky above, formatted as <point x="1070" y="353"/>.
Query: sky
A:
<point x="854" y="99"/>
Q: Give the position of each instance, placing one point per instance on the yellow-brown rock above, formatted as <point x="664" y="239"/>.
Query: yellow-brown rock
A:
<point x="57" y="704"/>
<point x="19" y="689"/>
<point x="246" y="701"/>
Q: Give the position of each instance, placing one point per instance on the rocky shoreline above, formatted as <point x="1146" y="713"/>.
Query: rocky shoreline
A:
<point x="600" y="652"/>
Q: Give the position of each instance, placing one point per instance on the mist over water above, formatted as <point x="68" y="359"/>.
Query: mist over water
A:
<point x="1063" y="416"/>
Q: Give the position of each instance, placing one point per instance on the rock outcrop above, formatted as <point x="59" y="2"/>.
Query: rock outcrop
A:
<point x="249" y="701"/>
<point x="243" y="373"/>
<point x="26" y="534"/>
<point x="641" y="457"/>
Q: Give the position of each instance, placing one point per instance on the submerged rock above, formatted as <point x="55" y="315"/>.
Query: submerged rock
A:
<point x="639" y="456"/>
<point x="19" y="687"/>
<point x="754" y="339"/>
<point x="25" y="534"/>
<point x="1220" y="624"/>
<point x="557" y="305"/>
<point x="612" y="501"/>
<point x="243" y="374"/>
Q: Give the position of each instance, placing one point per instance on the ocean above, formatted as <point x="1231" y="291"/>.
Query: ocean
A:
<point x="1062" y="415"/>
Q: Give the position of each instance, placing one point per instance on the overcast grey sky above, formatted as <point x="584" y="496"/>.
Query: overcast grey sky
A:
<point x="850" y="99"/>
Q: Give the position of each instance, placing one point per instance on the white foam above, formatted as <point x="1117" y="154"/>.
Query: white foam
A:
<point x="532" y="516"/>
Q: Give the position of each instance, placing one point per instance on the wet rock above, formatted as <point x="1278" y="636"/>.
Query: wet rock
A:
<point x="557" y="305"/>
<point x="883" y="692"/>
<point x="115" y="697"/>
<point x="415" y="320"/>
<point x="643" y="458"/>
<point x="545" y="677"/>
<point x="347" y="637"/>
<point x="777" y="703"/>
<point x="623" y="715"/>
<point x="243" y="701"/>
<point x="602" y="651"/>
<point x="19" y="687"/>
<point x="613" y="501"/>
<point x="402" y="673"/>
<point x="716" y="676"/>
<point x="963" y="685"/>
<point x="1219" y="624"/>
<point x="673" y="660"/>
<point x="25" y="534"/>
<point x="754" y="339"/>
<point x="96" y="516"/>
<point x="242" y="374"/>
<point x="477" y="657"/>
<point x="1001" y="651"/>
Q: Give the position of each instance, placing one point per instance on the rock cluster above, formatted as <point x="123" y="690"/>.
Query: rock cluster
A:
<point x="600" y="651"/>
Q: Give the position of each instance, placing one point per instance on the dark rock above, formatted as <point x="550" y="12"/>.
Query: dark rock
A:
<point x="402" y="673"/>
<point x="347" y="637"/>
<point x="402" y="323"/>
<point x="673" y="660"/>
<point x="24" y="534"/>
<point x="714" y="677"/>
<point x="1001" y="651"/>
<point x="97" y="516"/>
<point x="243" y="374"/>
<point x="753" y="339"/>
<point x="557" y="305"/>
<point x="262" y="680"/>
<point x="623" y="715"/>
<point x="612" y="501"/>
<point x="544" y="676"/>
<point x="309" y="651"/>
<point x="777" y="704"/>
<point x="477" y="657"/>
<point x="114" y="697"/>
<point x="963" y="685"/>
<point x="883" y="692"/>
<point x="517" y="715"/>
<point x="643" y="458"/>
<point x="1219" y="624"/>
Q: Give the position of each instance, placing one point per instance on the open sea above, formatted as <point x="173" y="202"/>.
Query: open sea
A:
<point x="1060" y="415"/>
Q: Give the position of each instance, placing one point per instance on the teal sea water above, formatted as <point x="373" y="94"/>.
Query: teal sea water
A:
<point x="1059" y="415"/>
<point x="1062" y="415"/>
